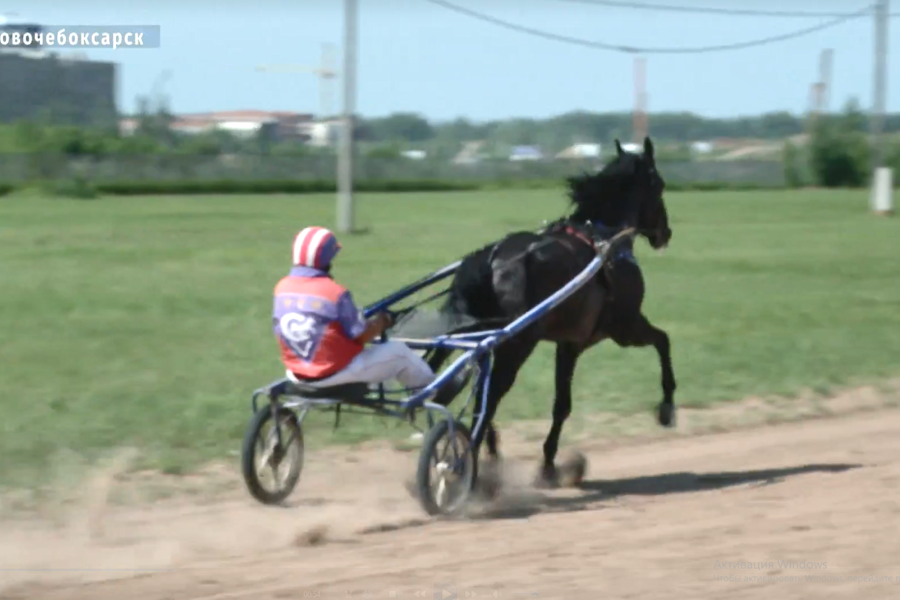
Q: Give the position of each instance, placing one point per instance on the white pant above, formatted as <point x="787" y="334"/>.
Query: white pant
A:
<point x="379" y="363"/>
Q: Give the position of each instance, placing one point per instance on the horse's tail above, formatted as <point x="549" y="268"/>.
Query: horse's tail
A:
<point x="509" y="280"/>
<point x="471" y="297"/>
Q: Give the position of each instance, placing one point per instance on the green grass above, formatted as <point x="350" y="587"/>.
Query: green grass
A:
<point x="146" y="322"/>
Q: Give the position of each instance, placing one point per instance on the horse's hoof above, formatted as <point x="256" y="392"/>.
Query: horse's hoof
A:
<point x="572" y="470"/>
<point x="490" y="480"/>
<point x="666" y="414"/>
<point x="548" y="478"/>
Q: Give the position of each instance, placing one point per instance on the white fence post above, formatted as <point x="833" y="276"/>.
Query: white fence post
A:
<point x="882" y="191"/>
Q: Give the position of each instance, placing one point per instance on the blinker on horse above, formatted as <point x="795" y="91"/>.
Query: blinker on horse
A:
<point x="504" y="279"/>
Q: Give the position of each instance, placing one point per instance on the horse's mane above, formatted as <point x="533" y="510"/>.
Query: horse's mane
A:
<point x="601" y="195"/>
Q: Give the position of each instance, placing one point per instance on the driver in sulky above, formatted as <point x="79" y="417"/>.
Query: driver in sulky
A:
<point x="323" y="335"/>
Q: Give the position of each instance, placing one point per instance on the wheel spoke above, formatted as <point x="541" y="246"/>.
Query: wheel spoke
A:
<point x="295" y="434"/>
<point x="441" y="494"/>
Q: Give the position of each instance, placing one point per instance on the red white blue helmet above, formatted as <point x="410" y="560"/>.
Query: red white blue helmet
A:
<point x="315" y="247"/>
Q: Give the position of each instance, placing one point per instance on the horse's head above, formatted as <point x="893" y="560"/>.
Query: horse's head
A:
<point x="653" y="218"/>
<point x="626" y="192"/>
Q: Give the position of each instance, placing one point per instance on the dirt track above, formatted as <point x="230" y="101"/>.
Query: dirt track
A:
<point x="651" y="521"/>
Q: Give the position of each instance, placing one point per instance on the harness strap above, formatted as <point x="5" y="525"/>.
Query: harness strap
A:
<point x="621" y="254"/>
<point x="574" y="232"/>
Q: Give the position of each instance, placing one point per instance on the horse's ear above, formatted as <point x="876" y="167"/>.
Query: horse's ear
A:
<point x="619" y="150"/>
<point x="648" y="147"/>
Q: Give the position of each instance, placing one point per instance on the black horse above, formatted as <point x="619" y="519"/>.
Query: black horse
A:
<point x="505" y="279"/>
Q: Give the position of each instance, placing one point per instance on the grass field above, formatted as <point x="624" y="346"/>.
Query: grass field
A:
<point x="146" y="321"/>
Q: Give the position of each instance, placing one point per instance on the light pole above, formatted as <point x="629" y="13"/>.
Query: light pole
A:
<point x="345" y="153"/>
<point x="882" y="184"/>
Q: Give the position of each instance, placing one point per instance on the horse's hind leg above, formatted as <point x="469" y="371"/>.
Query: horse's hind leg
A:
<point x="435" y="361"/>
<point x="439" y="356"/>
<point x="566" y="359"/>
<point x="642" y="333"/>
<point x="491" y="439"/>
<point x="445" y="396"/>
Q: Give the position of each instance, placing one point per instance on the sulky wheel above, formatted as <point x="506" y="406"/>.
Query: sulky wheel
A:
<point x="446" y="470"/>
<point x="264" y="459"/>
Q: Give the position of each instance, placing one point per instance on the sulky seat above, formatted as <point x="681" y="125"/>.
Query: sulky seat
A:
<point x="351" y="392"/>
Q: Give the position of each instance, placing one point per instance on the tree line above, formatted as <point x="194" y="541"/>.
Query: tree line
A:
<point x="391" y="133"/>
<point x="580" y="126"/>
<point x="838" y="152"/>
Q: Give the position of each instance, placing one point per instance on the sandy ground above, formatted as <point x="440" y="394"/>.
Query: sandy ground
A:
<point x="807" y="509"/>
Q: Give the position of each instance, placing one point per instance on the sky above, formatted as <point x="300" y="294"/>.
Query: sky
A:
<point x="414" y="56"/>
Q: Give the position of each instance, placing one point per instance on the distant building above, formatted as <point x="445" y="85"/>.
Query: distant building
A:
<point x="701" y="147"/>
<point x="192" y="125"/>
<point x="415" y="154"/>
<point x="576" y="151"/>
<point x="241" y="123"/>
<point x="35" y="83"/>
<point x="470" y="154"/>
<point x="525" y="153"/>
<point x="322" y="133"/>
<point x="11" y="25"/>
<point x="127" y="126"/>
<point x="246" y="123"/>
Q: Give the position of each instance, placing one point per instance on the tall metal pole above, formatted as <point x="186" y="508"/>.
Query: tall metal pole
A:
<point x="825" y="62"/>
<point x="879" y="96"/>
<point x="639" y="118"/>
<point x="345" y="156"/>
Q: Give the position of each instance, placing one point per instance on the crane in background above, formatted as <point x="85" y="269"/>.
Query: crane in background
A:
<point x="325" y="71"/>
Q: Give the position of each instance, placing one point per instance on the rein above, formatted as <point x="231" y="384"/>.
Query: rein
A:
<point x="567" y="229"/>
<point x="404" y="311"/>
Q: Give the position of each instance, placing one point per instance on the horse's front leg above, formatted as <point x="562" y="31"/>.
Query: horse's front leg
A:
<point x="642" y="333"/>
